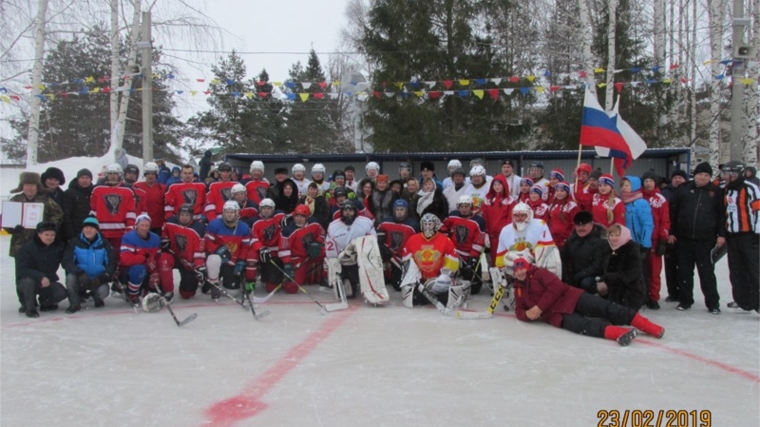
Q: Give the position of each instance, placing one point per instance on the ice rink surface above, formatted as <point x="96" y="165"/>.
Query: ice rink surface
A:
<point x="365" y="366"/>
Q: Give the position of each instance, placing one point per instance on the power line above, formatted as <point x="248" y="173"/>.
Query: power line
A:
<point x="296" y="53"/>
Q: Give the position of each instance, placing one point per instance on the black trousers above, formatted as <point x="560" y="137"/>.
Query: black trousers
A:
<point x="593" y="314"/>
<point x="27" y="289"/>
<point x="743" y="260"/>
<point x="671" y="272"/>
<point x="188" y="281"/>
<point x="269" y="273"/>
<point x="691" y="253"/>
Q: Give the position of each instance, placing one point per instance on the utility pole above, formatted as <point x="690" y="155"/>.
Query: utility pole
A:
<point x="737" y="92"/>
<point x="147" y="87"/>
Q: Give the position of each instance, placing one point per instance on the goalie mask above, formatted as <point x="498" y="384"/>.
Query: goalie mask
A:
<point x="400" y="210"/>
<point x="347" y="212"/>
<point x="230" y="212"/>
<point x="266" y="208"/>
<point x="429" y="224"/>
<point x="521" y="216"/>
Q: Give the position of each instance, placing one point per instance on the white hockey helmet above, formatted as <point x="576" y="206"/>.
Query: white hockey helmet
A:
<point x="266" y="203"/>
<point x="257" y="165"/>
<point x="238" y="188"/>
<point x="372" y="165"/>
<point x="453" y="164"/>
<point x="465" y="199"/>
<point x="521" y="208"/>
<point x="231" y="205"/>
<point x="114" y="168"/>
<point x="150" y="167"/>
<point x="299" y="168"/>
<point x="318" y="167"/>
<point x="478" y="170"/>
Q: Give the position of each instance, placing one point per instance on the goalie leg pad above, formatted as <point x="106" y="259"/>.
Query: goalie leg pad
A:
<point x="458" y="295"/>
<point x="370" y="270"/>
<point x="407" y="293"/>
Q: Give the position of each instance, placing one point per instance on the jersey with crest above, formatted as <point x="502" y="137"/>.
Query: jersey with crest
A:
<point x="468" y="234"/>
<point x="294" y="241"/>
<point x="395" y="234"/>
<point x="601" y="211"/>
<point x="265" y="232"/>
<point x="185" y="241"/>
<point x="431" y="255"/>
<point x="135" y="250"/>
<point x="257" y="190"/>
<point x="218" y="193"/>
<point x="114" y="207"/>
<point x="535" y="235"/>
<point x="181" y="193"/>
<point x="237" y="239"/>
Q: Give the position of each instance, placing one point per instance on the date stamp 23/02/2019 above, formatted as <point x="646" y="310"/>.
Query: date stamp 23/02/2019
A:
<point x="654" y="418"/>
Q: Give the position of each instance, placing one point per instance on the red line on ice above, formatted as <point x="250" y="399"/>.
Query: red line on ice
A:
<point x="247" y="404"/>
<point x="728" y="368"/>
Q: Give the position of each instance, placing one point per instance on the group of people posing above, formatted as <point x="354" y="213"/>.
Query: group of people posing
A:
<point x="222" y="234"/>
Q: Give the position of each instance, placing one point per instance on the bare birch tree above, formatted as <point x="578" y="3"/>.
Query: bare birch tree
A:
<point x="716" y="43"/>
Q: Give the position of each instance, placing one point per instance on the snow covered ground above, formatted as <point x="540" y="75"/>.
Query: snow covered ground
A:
<point x="365" y="366"/>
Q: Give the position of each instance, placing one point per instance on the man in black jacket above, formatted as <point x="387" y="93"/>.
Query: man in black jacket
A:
<point x="36" y="271"/>
<point x="76" y="203"/>
<point x="582" y="253"/>
<point x="698" y="225"/>
<point x="677" y="178"/>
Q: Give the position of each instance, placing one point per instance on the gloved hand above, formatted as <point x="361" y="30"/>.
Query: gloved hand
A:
<point x="84" y="280"/>
<point x="314" y="249"/>
<point x="95" y="284"/>
<point x="224" y="252"/>
<point x="200" y="274"/>
<point x="265" y="255"/>
<point x="385" y="251"/>
<point x="250" y="287"/>
<point x="239" y="267"/>
<point x="289" y="270"/>
<point x="662" y="247"/>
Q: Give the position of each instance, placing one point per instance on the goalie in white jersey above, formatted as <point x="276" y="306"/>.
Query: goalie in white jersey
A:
<point x="527" y="238"/>
<point x="352" y="249"/>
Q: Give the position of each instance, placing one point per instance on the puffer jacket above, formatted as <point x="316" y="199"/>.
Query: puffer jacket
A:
<point x="76" y="207"/>
<point x="96" y="257"/>
<point x="638" y="216"/>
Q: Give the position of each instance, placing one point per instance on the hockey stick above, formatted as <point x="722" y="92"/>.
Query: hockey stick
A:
<point x="187" y="320"/>
<point x="241" y="303"/>
<point x="124" y="295"/>
<point x="257" y="316"/>
<point x="260" y="300"/>
<point x="342" y="305"/>
<point x="491" y="307"/>
<point x="322" y="308"/>
<point x="433" y="299"/>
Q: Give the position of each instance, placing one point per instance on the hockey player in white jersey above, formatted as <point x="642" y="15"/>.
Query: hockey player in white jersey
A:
<point x="354" y="256"/>
<point x="299" y="177"/>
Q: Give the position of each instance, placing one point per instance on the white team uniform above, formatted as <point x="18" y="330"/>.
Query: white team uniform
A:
<point x="302" y="185"/>
<point x="324" y="187"/>
<point x="534" y="243"/>
<point x="452" y="195"/>
<point x="480" y="193"/>
<point x="514" y="184"/>
<point x="339" y="235"/>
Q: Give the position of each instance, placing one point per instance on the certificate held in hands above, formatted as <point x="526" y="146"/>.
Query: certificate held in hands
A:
<point x="26" y="215"/>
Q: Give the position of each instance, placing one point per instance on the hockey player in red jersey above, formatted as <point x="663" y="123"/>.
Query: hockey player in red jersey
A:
<point x="257" y="186"/>
<point x="265" y="243"/>
<point x="184" y="192"/>
<point x="227" y="243"/>
<point x="302" y="249"/>
<point x="155" y="196"/>
<point x="219" y="192"/>
<point x="429" y="257"/>
<point x="113" y="205"/>
<point x="138" y="259"/>
<point x="467" y="232"/>
<point x="131" y="173"/>
<point x="182" y="241"/>
<point x="248" y="208"/>
<point x="392" y="235"/>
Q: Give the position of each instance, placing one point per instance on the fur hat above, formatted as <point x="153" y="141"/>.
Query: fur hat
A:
<point x="583" y="217"/>
<point x="46" y="226"/>
<point x="427" y="166"/>
<point x="53" y="173"/>
<point x="29" y="178"/>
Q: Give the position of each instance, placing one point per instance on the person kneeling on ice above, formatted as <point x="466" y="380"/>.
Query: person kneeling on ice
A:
<point x="36" y="271"/>
<point x="228" y="244"/>
<point x="430" y="260"/>
<point x="90" y="263"/>
<point x="138" y="259"/>
<point x="182" y="247"/>
<point x="265" y="242"/>
<point x="540" y="294"/>
<point x="392" y="235"/>
<point x="340" y="234"/>
<point x="302" y="249"/>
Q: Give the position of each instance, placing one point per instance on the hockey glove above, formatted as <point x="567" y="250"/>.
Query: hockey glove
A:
<point x="84" y="280"/>
<point x="289" y="271"/>
<point x="224" y="252"/>
<point x="250" y="287"/>
<point x="265" y="255"/>
<point x="314" y="250"/>
<point x="385" y="251"/>
<point x="239" y="268"/>
<point x="200" y="274"/>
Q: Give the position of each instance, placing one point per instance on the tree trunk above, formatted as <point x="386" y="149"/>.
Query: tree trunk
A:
<point x="716" y="39"/>
<point x="753" y="92"/>
<point x="121" y="122"/>
<point x="33" y="134"/>
<point x="587" y="39"/>
<point x="693" y="75"/>
<point x="659" y="60"/>
<point x="115" y="72"/>
<point x="610" y="88"/>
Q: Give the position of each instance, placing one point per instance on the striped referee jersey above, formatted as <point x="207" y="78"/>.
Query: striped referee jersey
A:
<point x="742" y="208"/>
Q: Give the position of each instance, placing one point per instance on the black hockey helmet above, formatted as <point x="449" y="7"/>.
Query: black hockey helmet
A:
<point x="130" y="168"/>
<point x="733" y="166"/>
<point x="224" y="167"/>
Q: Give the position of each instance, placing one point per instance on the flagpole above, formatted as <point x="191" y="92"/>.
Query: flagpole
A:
<point x="577" y="165"/>
<point x="612" y="166"/>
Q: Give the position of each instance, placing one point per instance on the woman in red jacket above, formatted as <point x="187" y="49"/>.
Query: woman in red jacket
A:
<point x="606" y="207"/>
<point x="496" y="209"/>
<point x="561" y="214"/>
<point x="540" y="294"/>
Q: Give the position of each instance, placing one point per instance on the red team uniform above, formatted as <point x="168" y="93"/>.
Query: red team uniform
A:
<point x="294" y="243"/>
<point x="180" y="193"/>
<point x="601" y="211"/>
<point x="218" y="193"/>
<point x="560" y="220"/>
<point x="114" y="207"/>
<point x="187" y="245"/>
<point x="257" y="190"/>
<point x="467" y="234"/>
<point x="265" y="233"/>
<point x="431" y="255"/>
<point x="155" y="200"/>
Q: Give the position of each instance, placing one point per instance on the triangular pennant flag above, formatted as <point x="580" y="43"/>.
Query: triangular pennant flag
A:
<point x="464" y="83"/>
<point x="65" y="95"/>
<point x="651" y="81"/>
<point x="619" y="87"/>
<point x="84" y="90"/>
<point x="319" y="95"/>
<point x="540" y="89"/>
<point x="634" y="84"/>
<point x="95" y="90"/>
<point x="16" y="97"/>
<point x="684" y="80"/>
<point x="601" y="85"/>
<point x="598" y="70"/>
<point x="193" y="92"/>
<point x="200" y="80"/>
<point x="656" y="68"/>
<point x="463" y="93"/>
<point x="448" y="92"/>
<point x="41" y="87"/>
<point x="28" y="87"/>
<point x="582" y="74"/>
<point x="405" y="95"/>
<point x="746" y="81"/>
<point x="322" y="84"/>
<point x="5" y="99"/>
<point x="248" y="95"/>
<point x="178" y="92"/>
<point x="514" y="79"/>
<point x="554" y="88"/>
<point x="726" y="61"/>
<point x="496" y="81"/>
<point x="215" y="81"/>
<point x="531" y="78"/>
<point x="306" y="85"/>
<point x="419" y="93"/>
<point x="89" y="79"/>
<point x="230" y="82"/>
<point x="434" y="94"/>
<point x="430" y="85"/>
<point x="236" y="94"/>
<point x="674" y="66"/>
<point x="336" y="83"/>
<point x="481" y="82"/>
<point x="377" y="94"/>
<point x="494" y="93"/>
<point x="333" y="95"/>
<point x="415" y="85"/>
<point x="667" y="81"/>
<point x="3" y="90"/>
<point x="303" y="96"/>
<point x="478" y="93"/>
<point x="399" y="85"/>
<point x="106" y="90"/>
<point x="262" y="94"/>
<point x="508" y="91"/>
<point x="171" y="76"/>
<point x="207" y="92"/>
<point x="278" y="84"/>
<point x="447" y="83"/>
<point x="708" y="62"/>
<point x="292" y="96"/>
<point x="51" y="96"/>
<point x="290" y="85"/>
<point x="525" y="90"/>
<point x="390" y="94"/>
<point x="547" y="73"/>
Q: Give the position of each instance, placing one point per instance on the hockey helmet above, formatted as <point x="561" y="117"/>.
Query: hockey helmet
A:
<point x="132" y="169"/>
<point x="224" y="167"/>
<point x="400" y="204"/>
<point x="733" y="166"/>
<point x="372" y="165"/>
<point x="266" y="208"/>
<point x="302" y="210"/>
<point x="238" y="188"/>
<point x="477" y="170"/>
<point x="151" y="167"/>
<point x="454" y="164"/>
<point x="458" y="171"/>
<point x="187" y="208"/>
<point x="113" y="168"/>
<point x="318" y="167"/>
<point x="298" y="168"/>
<point x="429" y="224"/>
<point x="340" y="192"/>
<point x="231" y="205"/>
<point x="465" y="199"/>
<point x="405" y="165"/>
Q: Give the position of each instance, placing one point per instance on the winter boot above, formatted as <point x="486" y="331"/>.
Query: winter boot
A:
<point x="215" y="294"/>
<point x="621" y="335"/>
<point x="73" y="309"/>
<point x="646" y="326"/>
<point x="50" y="307"/>
<point x="32" y="313"/>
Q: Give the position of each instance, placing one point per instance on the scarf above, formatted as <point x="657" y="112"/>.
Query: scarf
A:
<point x="625" y="237"/>
<point x="426" y="198"/>
<point x="630" y="196"/>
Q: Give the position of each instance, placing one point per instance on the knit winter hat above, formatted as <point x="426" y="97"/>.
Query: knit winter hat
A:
<point x="520" y="263"/>
<point x="557" y="173"/>
<point x="382" y="178"/>
<point x="278" y="171"/>
<point x="53" y="173"/>
<point x="650" y="175"/>
<point x="583" y="217"/>
<point x="563" y="186"/>
<point x="535" y="188"/>
<point x="583" y="167"/>
<point x="91" y="222"/>
<point x="28" y="178"/>
<point x="427" y="166"/>
<point x="704" y="167"/>
<point x="84" y="172"/>
<point x="679" y="172"/>
<point x="607" y="179"/>
<point x="527" y="181"/>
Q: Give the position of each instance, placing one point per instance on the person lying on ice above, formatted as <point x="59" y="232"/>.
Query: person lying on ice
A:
<point x="539" y="294"/>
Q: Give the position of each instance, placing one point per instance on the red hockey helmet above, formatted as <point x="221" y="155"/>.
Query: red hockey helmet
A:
<point x="302" y="210"/>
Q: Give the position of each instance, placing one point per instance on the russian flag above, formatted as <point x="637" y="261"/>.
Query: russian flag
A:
<point x="609" y="134"/>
